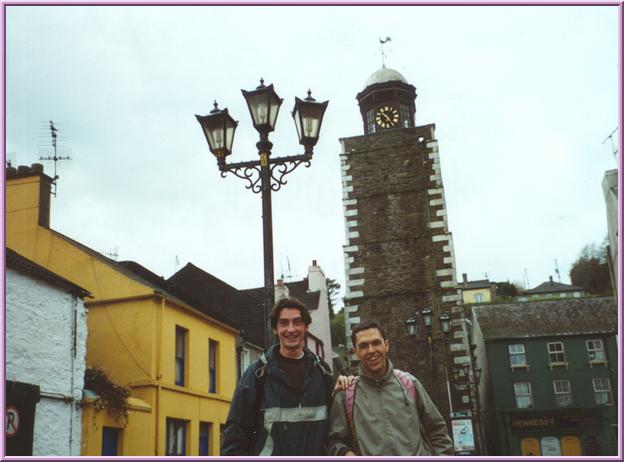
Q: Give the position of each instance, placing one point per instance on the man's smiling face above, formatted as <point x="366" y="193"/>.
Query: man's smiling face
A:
<point x="290" y="330"/>
<point x="371" y="349"/>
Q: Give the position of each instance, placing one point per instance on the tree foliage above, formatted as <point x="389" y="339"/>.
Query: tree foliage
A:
<point x="591" y="270"/>
<point x="506" y="290"/>
<point x="333" y="288"/>
<point x="337" y="326"/>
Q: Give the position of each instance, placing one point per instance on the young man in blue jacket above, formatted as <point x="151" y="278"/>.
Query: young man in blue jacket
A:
<point x="281" y="404"/>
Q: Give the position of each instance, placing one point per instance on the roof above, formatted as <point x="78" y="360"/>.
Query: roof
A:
<point x="552" y="286"/>
<point x="384" y="75"/>
<point x="297" y="289"/>
<point x="548" y="318"/>
<point x="480" y="284"/>
<point x="142" y="275"/>
<point x="210" y="292"/>
<point x="24" y="265"/>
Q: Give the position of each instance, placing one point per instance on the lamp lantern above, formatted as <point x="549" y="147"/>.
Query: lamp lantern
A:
<point x="427" y="316"/>
<point x="411" y="327"/>
<point x="308" y="116"/>
<point x="264" y="105"/>
<point x="218" y="127"/>
<point x="445" y="322"/>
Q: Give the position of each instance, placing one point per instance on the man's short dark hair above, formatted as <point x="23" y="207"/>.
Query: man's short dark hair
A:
<point x="293" y="303"/>
<point x="364" y="325"/>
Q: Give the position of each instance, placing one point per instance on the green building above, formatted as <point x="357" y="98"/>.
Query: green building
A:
<point x="550" y="376"/>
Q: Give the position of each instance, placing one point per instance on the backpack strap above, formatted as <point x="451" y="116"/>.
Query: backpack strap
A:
<point x="349" y="404"/>
<point x="406" y="381"/>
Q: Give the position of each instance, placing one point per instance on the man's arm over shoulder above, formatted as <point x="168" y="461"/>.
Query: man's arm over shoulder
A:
<point x="433" y="422"/>
<point x="238" y="433"/>
<point x="339" y="440"/>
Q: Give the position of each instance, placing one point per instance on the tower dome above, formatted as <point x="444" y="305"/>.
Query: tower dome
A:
<point x="384" y="75"/>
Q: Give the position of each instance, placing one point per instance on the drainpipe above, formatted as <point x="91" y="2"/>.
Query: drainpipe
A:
<point x="161" y="316"/>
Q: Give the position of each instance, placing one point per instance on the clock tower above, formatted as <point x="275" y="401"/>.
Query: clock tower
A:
<point x="387" y="101"/>
<point x="399" y="257"/>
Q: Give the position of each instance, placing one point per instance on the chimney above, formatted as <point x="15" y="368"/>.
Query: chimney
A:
<point x="281" y="291"/>
<point x="465" y="278"/>
<point x="316" y="278"/>
<point x="550" y="278"/>
<point x="28" y="194"/>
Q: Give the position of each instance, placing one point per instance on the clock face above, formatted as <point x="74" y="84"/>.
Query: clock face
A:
<point x="387" y="117"/>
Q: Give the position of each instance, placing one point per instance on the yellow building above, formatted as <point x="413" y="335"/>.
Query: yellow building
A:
<point x="178" y="361"/>
<point x="480" y="291"/>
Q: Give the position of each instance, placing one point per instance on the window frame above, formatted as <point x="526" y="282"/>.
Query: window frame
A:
<point x="525" y="364"/>
<point x="181" y="357"/>
<point x="517" y="395"/>
<point x="606" y="391"/>
<point x="176" y="425"/>
<point x="603" y="359"/>
<point x="556" y="354"/>
<point x="559" y="402"/>
<point x="213" y="366"/>
<point x="204" y="425"/>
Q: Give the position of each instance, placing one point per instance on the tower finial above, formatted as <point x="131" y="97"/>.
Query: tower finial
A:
<point x="383" y="55"/>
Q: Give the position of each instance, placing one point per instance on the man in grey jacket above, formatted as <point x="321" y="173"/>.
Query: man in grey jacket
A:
<point x="389" y="412"/>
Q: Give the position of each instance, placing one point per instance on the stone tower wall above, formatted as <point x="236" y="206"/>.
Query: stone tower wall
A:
<point x="399" y="252"/>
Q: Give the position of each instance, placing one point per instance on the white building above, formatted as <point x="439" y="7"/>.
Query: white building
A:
<point x="46" y="334"/>
<point x="610" y="191"/>
<point x="312" y="291"/>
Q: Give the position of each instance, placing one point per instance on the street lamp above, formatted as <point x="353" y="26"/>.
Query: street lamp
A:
<point x="265" y="174"/>
<point x="412" y="329"/>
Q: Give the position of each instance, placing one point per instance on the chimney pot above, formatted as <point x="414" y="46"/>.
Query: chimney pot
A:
<point x="313" y="262"/>
<point x="550" y="277"/>
<point x="23" y="169"/>
<point x="37" y="168"/>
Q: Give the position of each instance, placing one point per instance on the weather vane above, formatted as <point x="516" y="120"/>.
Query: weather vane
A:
<point x="383" y="55"/>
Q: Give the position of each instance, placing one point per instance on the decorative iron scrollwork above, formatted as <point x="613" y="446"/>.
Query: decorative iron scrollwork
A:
<point x="283" y="169"/>
<point x="251" y="174"/>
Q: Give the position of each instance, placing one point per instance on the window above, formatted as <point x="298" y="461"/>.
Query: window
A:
<point x="245" y="360"/>
<point x="517" y="356"/>
<point x="213" y="348"/>
<point x="176" y="437"/>
<point x="595" y="351"/>
<point x="522" y="391"/>
<point x="478" y="297"/>
<point x="602" y="391"/>
<point x="556" y="354"/>
<point x="205" y="433"/>
<point x="180" y="355"/>
<point x="405" y="115"/>
<point x="370" y="121"/>
<point x="563" y="393"/>
<point x="110" y="441"/>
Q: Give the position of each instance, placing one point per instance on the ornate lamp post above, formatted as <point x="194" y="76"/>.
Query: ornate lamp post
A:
<point x="265" y="174"/>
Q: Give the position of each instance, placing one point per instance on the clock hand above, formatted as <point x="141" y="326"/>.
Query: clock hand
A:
<point x="387" y="118"/>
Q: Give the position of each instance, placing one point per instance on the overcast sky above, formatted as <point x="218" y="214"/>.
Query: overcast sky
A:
<point x="522" y="99"/>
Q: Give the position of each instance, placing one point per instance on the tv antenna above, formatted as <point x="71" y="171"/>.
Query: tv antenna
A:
<point x="112" y="254"/>
<point x="614" y="149"/>
<point x="383" y="54"/>
<point x="526" y="279"/>
<point x="56" y="157"/>
<point x="557" y="270"/>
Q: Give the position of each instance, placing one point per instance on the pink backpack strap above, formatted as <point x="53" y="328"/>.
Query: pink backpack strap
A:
<point x="349" y="403"/>
<point x="406" y="382"/>
<point x="350" y="400"/>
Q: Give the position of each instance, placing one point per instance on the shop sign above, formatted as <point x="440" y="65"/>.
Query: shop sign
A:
<point x="551" y="421"/>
